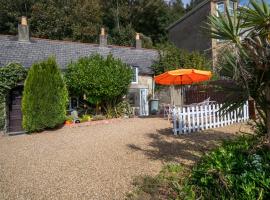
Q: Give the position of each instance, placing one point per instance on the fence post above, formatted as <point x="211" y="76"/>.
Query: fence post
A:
<point x="180" y="111"/>
<point x="184" y="119"/>
<point x="197" y="118"/>
<point x="175" y="116"/>
<point x="188" y="120"/>
<point x="193" y="118"/>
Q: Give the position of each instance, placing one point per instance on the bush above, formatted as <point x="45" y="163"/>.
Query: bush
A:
<point x="86" y="118"/>
<point x="44" y="97"/>
<point x="102" y="81"/>
<point x="237" y="170"/>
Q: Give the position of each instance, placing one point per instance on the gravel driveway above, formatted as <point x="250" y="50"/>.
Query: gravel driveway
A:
<point x="95" y="162"/>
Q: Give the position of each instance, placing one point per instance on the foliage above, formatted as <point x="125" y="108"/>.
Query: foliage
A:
<point x="85" y="118"/>
<point x="246" y="59"/>
<point x="11" y="75"/>
<point x="162" y="186"/>
<point x="237" y="170"/>
<point x="122" y="109"/>
<point x="173" y="58"/>
<point x="80" y="20"/>
<point x="102" y="81"/>
<point x="192" y="4"/>
<point x="44" y="97"/>
<point x="66" y="19"/>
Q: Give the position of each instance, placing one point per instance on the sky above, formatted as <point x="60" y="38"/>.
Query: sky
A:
<point x="241" y="1"/>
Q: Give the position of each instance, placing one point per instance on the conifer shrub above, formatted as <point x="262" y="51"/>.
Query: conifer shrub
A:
<point x="44" y="97"/>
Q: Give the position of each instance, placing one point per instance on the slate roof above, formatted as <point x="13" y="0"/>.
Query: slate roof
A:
<point x="27" y="53"/>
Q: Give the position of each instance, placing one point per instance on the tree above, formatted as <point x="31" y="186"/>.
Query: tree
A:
<point x="193" y="4"/>
<point x="86" y="20"/>
<point x="177" y="10"/>
<point x="44" y="97"/>
<point x="246" y="61"/>
<point x="69" y="19"/>
<point x="173" y="58"/>
<point x="102" y="81"/>
<point x="11" y="11"/>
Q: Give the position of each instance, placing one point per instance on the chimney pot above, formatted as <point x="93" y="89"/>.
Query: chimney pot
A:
<point x="24" y="21"/>
<point x="137" y="36"/>
<point x="138" y="41"/>
<point x="23" y="30"/>
<point x="102" y="31"/>
<point x="102" y="38"/>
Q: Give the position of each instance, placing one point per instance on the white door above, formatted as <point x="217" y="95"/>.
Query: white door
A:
<point x="144" y="110"/>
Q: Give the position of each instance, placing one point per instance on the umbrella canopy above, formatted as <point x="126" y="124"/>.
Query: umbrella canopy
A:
<point x="183" y="77"/>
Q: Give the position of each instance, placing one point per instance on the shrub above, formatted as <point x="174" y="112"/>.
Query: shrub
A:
<point x="44" y="97"/>
<point x="237" y="170"/>
<point x="86" y="118"/>
<point x="102" y="81"/>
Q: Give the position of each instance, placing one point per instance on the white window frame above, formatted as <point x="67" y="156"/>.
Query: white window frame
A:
<point x="231" y="9"/>
<point x="217" y="8"/>
<point x="137" y="75"/>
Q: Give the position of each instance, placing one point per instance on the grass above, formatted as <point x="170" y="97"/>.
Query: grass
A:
<point x="238" y="169"/>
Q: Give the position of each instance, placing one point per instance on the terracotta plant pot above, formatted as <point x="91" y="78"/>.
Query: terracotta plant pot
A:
<point x="68" y="122"/>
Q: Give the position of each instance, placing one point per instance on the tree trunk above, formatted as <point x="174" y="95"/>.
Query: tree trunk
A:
<point x="267" y="91"/>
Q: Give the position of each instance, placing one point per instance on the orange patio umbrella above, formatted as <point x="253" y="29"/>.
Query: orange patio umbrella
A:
<point x="183" y="77"/>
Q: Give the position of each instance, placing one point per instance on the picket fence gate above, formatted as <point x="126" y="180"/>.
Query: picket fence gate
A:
<point x="189" y="119"/>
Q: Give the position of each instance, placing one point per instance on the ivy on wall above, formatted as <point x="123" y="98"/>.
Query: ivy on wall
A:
<point x="10" y="76"/>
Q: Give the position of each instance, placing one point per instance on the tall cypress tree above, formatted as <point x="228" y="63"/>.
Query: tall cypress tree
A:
<point x="44" y="97"/>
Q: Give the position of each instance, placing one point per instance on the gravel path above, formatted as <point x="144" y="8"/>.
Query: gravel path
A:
<point x="95" y="162"/>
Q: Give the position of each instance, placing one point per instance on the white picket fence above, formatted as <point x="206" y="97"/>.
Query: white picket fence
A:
<point x="189" y="119"/>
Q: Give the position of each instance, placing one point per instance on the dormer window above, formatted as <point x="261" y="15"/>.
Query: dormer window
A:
<point x="220" y="8"/>
<point x="135" y="73"/>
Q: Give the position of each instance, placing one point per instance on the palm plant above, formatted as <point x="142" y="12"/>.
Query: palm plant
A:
<point x="246" y="58"/>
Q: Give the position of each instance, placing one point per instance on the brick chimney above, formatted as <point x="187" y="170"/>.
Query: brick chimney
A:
<point x="138" y="41"/>
<point x="23" y="30"/>
<point x="102" y="38"/>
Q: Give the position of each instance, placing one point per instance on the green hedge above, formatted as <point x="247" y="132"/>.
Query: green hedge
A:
<point x="44" y="97"/>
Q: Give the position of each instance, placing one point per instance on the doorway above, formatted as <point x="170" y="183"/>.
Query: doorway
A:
<point x="144" y="108"/>
<point x="15" y="112"/>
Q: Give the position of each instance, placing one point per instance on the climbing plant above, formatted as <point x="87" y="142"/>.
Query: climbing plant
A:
<point x="10" y="76"/>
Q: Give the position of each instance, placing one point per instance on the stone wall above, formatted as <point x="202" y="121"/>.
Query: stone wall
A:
<point x="144" y="81"/>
